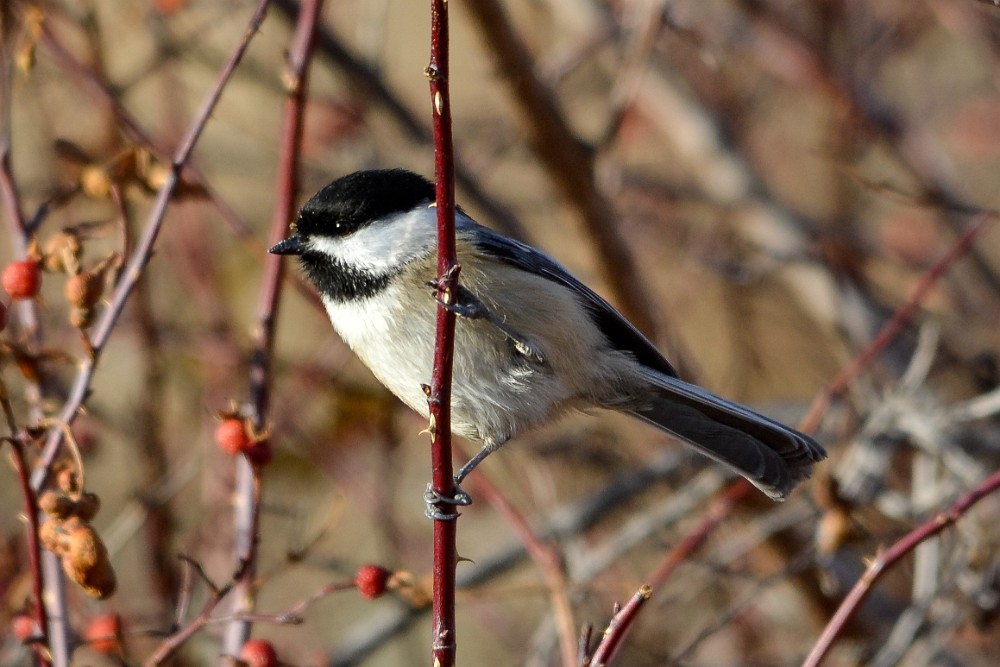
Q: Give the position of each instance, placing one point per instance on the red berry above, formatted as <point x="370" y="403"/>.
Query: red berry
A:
<point x="372" y="580"/>
<point x="232" y="436"/>
<point x="22" y="279"/>
<point x="259" y="453"/>
<point x="259" y="653"/>
<point x="23" y="626"/>
<point x="103" y="633"/>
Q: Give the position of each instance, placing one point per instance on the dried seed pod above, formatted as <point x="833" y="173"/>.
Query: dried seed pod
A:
<point x="86" y="562"/>
<point x="84" y="289"/>
<point x="56" y="504"/>
<point x="51" y="536"/>
<point x="62" y="253"/>
<point x="85" y="547"/>
<point x="87" y="506"/>
<point x="98" y="582"/>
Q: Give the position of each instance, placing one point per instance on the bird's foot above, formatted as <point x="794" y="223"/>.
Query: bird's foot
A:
<point x="432" y="499"/>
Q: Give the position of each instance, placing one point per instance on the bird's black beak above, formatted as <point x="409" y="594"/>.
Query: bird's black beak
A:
<point x="293" y="245"/>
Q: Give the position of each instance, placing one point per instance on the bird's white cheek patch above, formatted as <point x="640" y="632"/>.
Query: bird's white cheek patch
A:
<point x="384" y="245"/>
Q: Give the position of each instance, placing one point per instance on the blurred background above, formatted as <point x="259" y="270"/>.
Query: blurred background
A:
<point x="757" y="184"/>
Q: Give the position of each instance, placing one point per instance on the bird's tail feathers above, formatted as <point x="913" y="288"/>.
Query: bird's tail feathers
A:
<point x="772" y="456"/>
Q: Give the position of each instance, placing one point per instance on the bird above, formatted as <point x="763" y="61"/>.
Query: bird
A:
<point x="532" y="342"/>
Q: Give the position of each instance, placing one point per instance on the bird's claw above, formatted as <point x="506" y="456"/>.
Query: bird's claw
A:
<point x="433" y="498"/>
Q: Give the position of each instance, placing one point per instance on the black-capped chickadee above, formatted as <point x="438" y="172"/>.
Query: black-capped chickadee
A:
<point x="531" y="341"/>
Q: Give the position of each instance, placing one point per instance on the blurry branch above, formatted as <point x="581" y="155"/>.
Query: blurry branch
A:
<point x="843" y="380"/>
<point x="32" y="541"/>
<point x="247" y="505"/>
<point x="204" y="616"/>
<point x="103" y="329"/>
<point x="546" y="557"/>
<point x="366" y="78"/>
<point x="724" y="505"/>
<point x="914" y="146"/>
<point x="938" y="440"/>
<point x="886" y="560"/>
<point x="104" y="91"/>
<point x="570" y="163"/>
<point x="586" y="563"/>
<point x="141" y="255"/>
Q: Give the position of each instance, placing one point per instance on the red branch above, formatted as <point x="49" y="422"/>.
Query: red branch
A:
<point x="618" y="628"/>
<point x="724" y="504"/>
<point x="887" y="559"/>
<point x="41" y="646"/>
<point x="548" y="559"/>
<point x="286" y="192"/>
<point x="439" y="400"/>
<point x="893" y="327"/>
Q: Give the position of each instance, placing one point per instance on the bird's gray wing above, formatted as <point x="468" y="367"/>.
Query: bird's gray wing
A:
<point x="621" y="334"/>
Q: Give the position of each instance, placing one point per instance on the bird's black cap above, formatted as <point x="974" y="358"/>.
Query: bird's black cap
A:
<point x="356" y="200"/>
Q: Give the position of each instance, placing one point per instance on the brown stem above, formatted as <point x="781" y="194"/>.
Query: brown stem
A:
<point x="140" y="257"/>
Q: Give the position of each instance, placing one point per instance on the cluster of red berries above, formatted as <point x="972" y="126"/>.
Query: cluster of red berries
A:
<point x="236" y="436"/>
<point x="67" y="533"/>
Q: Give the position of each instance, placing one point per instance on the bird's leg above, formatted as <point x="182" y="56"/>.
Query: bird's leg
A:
<point x="468" y="305"/>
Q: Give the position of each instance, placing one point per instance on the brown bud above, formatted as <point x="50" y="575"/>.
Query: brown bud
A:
<point x="56" y="504"/>
<point x="87" y="506"/>
<point x="84" y="289"/>
<point x="100" y="582"/>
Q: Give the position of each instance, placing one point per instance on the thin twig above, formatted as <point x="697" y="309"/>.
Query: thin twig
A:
<point x="286" y="191"/>
<point x="843" y="380"/>
<point x="619" y="627"/>
<point x="141" y="255"/>
<point x="548" y="559"/>
<point x="889" y="558"/>
<point x="33" y="544"/>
